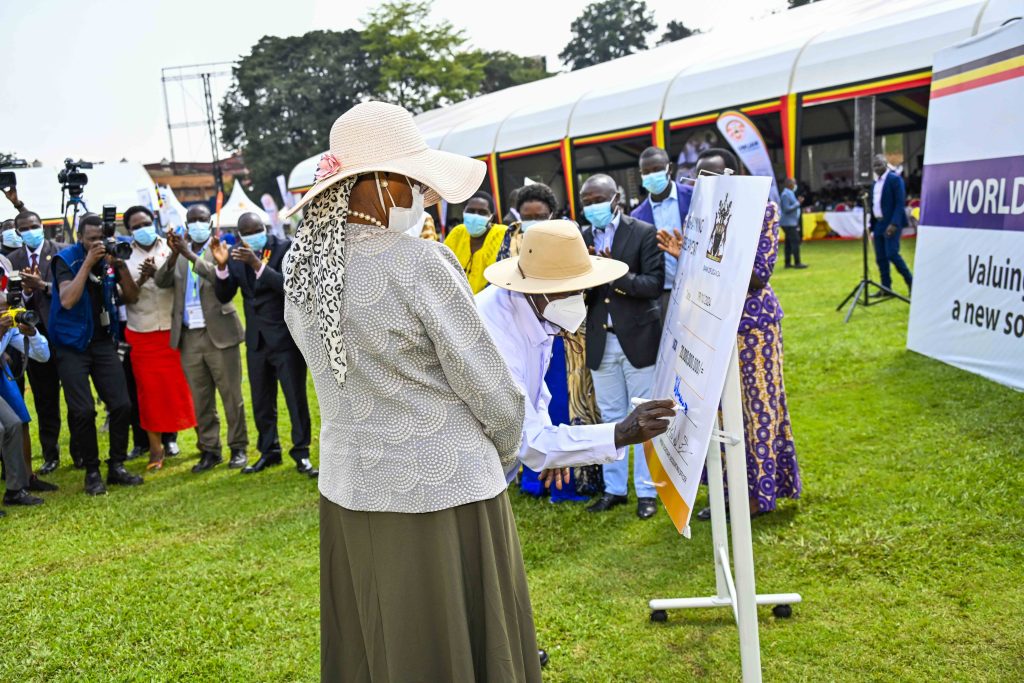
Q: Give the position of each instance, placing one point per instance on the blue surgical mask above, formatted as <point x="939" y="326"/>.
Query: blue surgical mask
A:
<point x="599" y="215"/>
<point x="655" y="183"/>
<point x="256" y="241"/>
<point x="526" y="225"/>
<point x="199" y="231"/>
<point x="12" y="238"/>
<point x="145" y="235"/>
<point x="476" y="224"/>
<point x="33" y="238"/>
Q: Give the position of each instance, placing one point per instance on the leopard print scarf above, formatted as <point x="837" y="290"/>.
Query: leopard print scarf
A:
<point x="315" y="269"/>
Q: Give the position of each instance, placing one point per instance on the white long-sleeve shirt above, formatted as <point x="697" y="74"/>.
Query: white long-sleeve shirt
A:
<point x="525" y="343"/>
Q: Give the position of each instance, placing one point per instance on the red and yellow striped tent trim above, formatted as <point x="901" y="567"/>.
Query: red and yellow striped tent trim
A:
<point x="527" y="151"/>
<point x="904" y="82"/>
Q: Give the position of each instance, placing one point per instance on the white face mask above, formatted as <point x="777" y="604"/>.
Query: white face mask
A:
<point x="400" y="218"/>
<point x="568" y="313"/>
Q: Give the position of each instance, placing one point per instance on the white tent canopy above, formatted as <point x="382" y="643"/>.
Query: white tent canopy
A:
<point x="122" y="184"/>
<point x="237" y="204"/>
<point x="821" y="45"/>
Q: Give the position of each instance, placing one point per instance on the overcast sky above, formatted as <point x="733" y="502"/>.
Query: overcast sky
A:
<point x="82" y="77"/>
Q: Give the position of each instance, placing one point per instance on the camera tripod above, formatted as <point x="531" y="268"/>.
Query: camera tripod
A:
<point x="860" y="293"/>
<point x="79" y="207"/>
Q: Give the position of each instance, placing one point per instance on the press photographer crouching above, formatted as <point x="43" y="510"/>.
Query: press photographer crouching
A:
<point x="17" y="331"/>
<point x="85" y="329"/>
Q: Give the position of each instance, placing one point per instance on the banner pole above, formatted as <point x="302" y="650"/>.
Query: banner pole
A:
<point x="739" y="509"/>
<point x="719" y="526"/>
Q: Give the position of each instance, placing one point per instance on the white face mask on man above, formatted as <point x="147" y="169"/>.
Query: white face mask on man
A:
<point x="400" y="218"/>
<point x="568" y="313"/>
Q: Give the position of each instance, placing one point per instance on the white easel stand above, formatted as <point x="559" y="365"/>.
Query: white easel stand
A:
<point x="740" y="594"/>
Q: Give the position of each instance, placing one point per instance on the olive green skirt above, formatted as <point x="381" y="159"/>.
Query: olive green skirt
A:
<point x="439" y="596"/>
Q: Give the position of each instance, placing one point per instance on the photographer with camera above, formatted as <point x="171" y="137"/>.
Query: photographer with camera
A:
<point x="17" y="332"/>
<point x="84" y="328"/>
<point x="35" y="261"/>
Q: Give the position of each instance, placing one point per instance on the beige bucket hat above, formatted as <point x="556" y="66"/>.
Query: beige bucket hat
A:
<point x="376" y="136"/>
<point x="553" y="258"/>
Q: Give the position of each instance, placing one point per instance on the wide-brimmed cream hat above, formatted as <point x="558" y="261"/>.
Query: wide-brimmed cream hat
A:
<point x="376" y="136"/>
<point x="553" y="258"/>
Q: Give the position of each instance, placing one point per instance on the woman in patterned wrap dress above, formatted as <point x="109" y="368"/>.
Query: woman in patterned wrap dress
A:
<point x="772" y="469"/>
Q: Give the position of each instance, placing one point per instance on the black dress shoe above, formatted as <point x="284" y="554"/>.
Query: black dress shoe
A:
<point x="94" y="484"/>
<point x="801" y="266"/>
<point x="49" y="466"/>
<point x="543" y="658"/>
<point x="77" y="463"/>
<point x="263" y="463"/>
<point x="207" y="462"/>
<point x="171" y="449"/>
<point x="37" y="484"/>
<point x="21" y="497"/>
<point x="607" y="502"/>
<point x="705" y="514"/>
<point x="238" y="459"/>
<point x="2" y="513"/>
<point x="117" y="474"/>
<point x="137" y="452"/>
<point x="304" y="466"/>
<point x="646" y="507"/>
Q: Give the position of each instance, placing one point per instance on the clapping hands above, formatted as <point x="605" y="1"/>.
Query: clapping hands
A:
<point x="671" y="243"/>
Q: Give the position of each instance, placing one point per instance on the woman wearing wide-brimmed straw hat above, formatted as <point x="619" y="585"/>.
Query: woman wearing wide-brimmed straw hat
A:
<point x="421" y="573"/>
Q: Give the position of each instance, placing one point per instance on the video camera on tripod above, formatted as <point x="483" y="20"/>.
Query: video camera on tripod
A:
<point x="117" y="249"/>
<point x="71" y="178"/>
<point x="16" y="310"/>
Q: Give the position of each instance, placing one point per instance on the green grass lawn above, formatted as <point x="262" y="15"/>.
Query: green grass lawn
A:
<point x="907" y="545"/>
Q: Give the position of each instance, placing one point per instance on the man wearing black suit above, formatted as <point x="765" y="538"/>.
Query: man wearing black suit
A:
<point x="34" y="260"/>
<point x="254" y="266"/>
<point x="623" y="328"/>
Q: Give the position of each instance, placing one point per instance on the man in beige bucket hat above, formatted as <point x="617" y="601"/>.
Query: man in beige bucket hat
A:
<point x="537" y="295"/>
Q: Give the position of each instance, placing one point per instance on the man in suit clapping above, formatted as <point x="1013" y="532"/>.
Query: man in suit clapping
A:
<point x="623" y="328"/>
<point x="254" y="266"/>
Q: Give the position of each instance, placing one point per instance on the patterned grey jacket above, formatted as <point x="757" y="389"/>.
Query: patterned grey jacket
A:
<point x="428" y="417"/>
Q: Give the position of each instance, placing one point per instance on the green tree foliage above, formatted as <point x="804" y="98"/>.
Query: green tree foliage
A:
<point x="288" y="91"/>
<point x="676" y="30"/>
<point x="419" y="65"/>
<point x="607" y="30"/>
<point x="286" y="94"/>
<point x="505" y="69"/>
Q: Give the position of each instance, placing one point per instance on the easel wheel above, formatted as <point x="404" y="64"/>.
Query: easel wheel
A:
<point x="659" y="615"/>
<point x="782" y="611"/>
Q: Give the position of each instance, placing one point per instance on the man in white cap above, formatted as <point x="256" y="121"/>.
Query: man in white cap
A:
<point x="537" y="295"/>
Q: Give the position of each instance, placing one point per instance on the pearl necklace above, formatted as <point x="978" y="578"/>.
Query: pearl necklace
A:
<point x="372" y="220"/>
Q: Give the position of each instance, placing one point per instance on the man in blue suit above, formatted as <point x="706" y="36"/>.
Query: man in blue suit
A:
<point x="888" y="218"/>
<point x="666" y="206"/>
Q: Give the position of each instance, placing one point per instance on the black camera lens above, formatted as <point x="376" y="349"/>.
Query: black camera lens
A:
<point x="120" y="250"/>
<point x="26" y="318"/>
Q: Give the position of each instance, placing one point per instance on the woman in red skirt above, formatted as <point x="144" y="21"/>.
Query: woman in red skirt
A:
<point x="165" y="403"/>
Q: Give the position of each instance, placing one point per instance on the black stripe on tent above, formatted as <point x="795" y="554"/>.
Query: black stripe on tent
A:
<point x="978" y="63"/>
